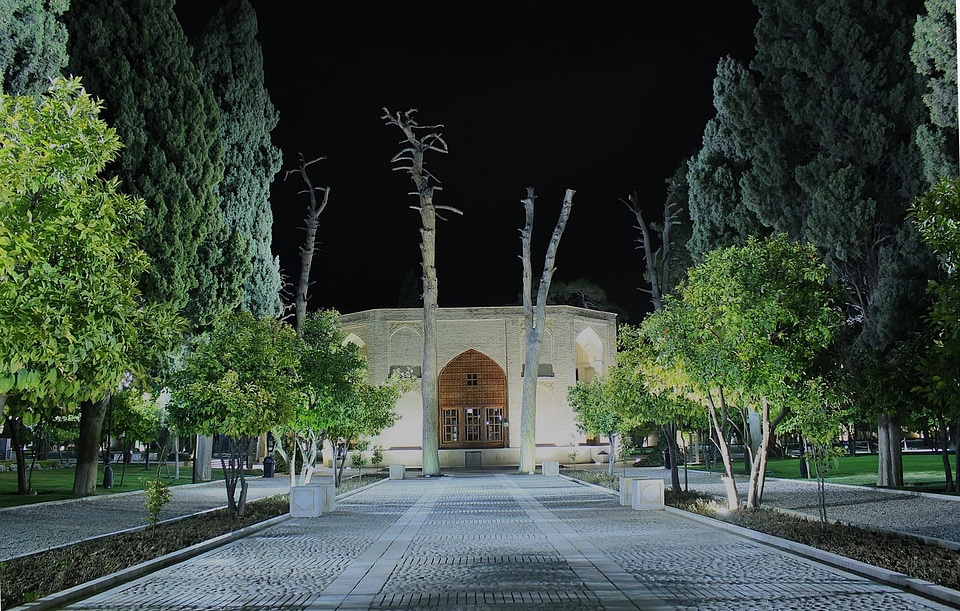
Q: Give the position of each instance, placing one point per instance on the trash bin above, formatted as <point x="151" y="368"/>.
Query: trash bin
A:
<point x="268" y="465"/>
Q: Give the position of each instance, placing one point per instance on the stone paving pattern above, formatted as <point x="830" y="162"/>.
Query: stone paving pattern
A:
<point x="33" y="528"/>
<point x="492" y="542"/>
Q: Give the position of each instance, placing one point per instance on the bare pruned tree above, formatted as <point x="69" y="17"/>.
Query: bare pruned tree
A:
<point x="319" y="196"/>
<point x="417" y="140"/>
<point x="533" y="327"/>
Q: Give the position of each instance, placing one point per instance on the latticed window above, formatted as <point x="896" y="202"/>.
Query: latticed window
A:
<point x="494" y="424"/>
<point x="450" y="432"/>
<point x="473" y="397"/>
<point x="473" y="425"/>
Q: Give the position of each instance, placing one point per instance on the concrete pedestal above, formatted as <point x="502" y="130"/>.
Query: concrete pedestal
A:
<point x="397" y="471"/>
<point x="551" y="468"/>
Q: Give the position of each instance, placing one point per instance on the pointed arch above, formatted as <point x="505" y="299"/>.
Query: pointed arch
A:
<point x="588" y="350"/>
<point x="473" y="402"/>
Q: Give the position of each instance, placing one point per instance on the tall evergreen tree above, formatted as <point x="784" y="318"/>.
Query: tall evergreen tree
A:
<point x="820" y="130"/>
<point x="134" y="56"/>
<point x="935" y="54"/>
<point x="231" y="61"/>
<point x="33" y="45"/>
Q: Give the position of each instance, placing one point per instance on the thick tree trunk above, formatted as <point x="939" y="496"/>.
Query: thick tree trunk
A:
<point x="202" y="459"/>
<point x="890" y="435"/>
<point x="429" y="368"/>
<point x="88" y="446"/>
<point x="17" y="436"/>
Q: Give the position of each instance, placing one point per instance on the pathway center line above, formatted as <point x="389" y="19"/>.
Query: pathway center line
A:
<point x="614" y="587"/>
<point x="366" y="575"/>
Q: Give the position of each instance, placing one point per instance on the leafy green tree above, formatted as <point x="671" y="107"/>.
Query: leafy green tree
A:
<point x="364" y="412"/>
<point x="597" y="416"/>
<point x="238" y="380"/>
<point x="134" y="55"/>
<point x="33" y="45"/>
<point x="755" y="320"/>
<point x="934" y="53"/>
<point x="231" y="62"/>
<point x="133" y="417"/>
<point x="650" y="392"/>
<point x="329" y="371"/>
<point x="69" y="265"/>
<point x="816" y="139"/>
<point x="936" y="216"/>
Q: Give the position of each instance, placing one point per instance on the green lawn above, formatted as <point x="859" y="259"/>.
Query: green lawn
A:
<point x="57" y="484"/>
<point x="920" y="471"/>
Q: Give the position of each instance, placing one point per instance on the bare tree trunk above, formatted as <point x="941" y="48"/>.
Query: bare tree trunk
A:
<point x="889" y="436"/>
<point x="309" y="247"/>
<point x="534" y="328"/>
<point x="429" y="368"/>
<point x="410" y="160"/>
<point x="88" y="445"/>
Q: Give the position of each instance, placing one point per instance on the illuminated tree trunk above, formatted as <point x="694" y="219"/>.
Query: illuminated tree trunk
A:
<point x="419" y="139"/>
<point x="534" y="328"/>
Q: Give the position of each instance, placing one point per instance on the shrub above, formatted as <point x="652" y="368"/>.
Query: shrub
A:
<point x="158" y="495"/>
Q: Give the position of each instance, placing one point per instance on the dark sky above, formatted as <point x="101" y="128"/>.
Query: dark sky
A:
<point x="602" y="97"/>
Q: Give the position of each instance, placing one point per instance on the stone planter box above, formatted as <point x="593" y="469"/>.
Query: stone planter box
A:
<point x="627" y="488"/>
<point x="648" y="494"/>
<point x="306" y="501"/>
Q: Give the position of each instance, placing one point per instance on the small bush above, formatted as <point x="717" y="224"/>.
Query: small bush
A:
<point x="158" y="495"/>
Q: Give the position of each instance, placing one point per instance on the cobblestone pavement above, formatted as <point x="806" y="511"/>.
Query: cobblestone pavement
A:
<point x="33" y="528"/>
<point x="936" y="516"/>
<point x="492" y="542"/>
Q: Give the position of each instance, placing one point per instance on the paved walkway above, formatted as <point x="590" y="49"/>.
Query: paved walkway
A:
<point x="33" y="528"/>
<point x="493" y="542"/>
<point x="928" y="515"/>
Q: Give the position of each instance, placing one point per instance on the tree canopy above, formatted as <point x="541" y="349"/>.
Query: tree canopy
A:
<point x="69" y="261"/>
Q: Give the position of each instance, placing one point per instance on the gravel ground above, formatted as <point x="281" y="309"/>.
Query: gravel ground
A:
<point x="927" y="515"/>
<point x="32" y="528"/>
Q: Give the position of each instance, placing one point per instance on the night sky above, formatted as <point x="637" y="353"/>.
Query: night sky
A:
<point x="604" y="98"/>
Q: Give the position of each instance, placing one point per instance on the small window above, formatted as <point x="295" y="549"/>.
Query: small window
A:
<point x="471" y="379"/>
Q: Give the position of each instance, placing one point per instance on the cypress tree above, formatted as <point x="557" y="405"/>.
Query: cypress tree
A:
<point x="934" y="53"/>
<point x="821" y="131"/>
<point x="231" y="62"/>
<point x="33" y="45"/>
<point x="134" y="55"/>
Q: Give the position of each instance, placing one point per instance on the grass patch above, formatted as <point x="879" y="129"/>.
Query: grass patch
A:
<point x="920" y="471"/>
<point x="57" y="484"/>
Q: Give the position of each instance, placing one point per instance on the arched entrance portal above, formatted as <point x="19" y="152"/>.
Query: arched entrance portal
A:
<point x="473" y="403"/>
